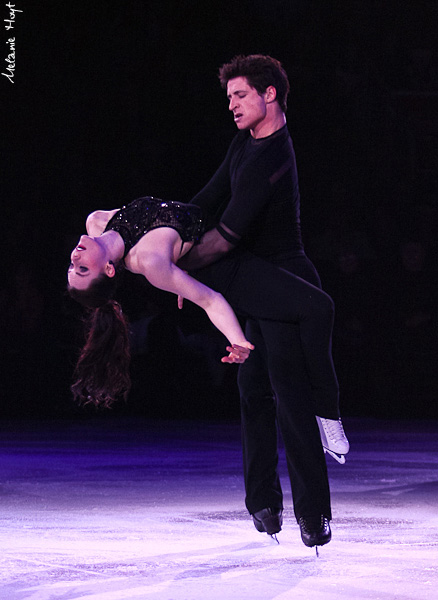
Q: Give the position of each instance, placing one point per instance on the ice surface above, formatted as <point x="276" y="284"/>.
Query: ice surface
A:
<point x="102" y="509"/>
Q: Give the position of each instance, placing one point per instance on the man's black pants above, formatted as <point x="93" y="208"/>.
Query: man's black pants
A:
<point x="292" y="322"/>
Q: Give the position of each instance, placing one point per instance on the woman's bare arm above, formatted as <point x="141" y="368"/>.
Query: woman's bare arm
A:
<point x="161" y="272"/>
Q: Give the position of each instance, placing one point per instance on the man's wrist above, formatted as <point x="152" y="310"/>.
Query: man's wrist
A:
<point x="227" y="235"/>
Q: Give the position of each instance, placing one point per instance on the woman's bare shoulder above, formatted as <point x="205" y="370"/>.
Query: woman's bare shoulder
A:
<point x="98" y="220"/>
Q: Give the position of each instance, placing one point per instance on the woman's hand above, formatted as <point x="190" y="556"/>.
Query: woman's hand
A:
<point x="238" y="354"/>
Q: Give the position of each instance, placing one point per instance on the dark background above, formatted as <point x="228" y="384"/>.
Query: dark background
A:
<point x="115" y="100"/>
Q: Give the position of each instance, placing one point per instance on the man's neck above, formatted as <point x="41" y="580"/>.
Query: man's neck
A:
<point x="269" y="126"/>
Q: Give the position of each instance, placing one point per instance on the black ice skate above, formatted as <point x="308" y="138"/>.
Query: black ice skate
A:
<point x="269" y="520"/>
<point x="315" y="531"/>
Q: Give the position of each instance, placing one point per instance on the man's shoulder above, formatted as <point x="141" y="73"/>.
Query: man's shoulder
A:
<point x="280" y="136"/>
<point x="273" y="150"/>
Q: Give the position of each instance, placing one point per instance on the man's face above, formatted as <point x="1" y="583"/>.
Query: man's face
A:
<point x="246" y="104"/>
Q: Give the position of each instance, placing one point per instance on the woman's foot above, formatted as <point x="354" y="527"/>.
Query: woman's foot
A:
<point x="333" y="438"/>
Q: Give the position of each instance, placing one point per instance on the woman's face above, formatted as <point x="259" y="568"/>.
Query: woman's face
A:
<point x="88" y="261"/>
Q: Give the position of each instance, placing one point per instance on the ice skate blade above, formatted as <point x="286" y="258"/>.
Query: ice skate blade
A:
<point x="274" y="537"/>
<point x="317" y="552"/>
<point x="339" y="457"/>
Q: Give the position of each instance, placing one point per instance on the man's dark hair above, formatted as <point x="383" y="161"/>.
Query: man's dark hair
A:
<point x="261" y="71"/>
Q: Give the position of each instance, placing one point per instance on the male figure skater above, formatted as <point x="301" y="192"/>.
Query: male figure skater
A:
<point x="254" y="196"/>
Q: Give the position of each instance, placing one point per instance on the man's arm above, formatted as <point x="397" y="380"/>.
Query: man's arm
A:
<point x="252" y="191"/>
<point x="216" y="194"/>
<point x="214" y="244"/>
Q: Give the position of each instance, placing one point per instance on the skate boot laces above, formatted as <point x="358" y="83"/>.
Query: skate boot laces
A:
<point x="333" y="431"/>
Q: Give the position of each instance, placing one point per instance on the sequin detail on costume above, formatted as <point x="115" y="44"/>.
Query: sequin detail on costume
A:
<point x="133" y="221"/>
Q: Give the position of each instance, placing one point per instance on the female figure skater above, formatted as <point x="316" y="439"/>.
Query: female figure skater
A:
<point x="147" y="238"/>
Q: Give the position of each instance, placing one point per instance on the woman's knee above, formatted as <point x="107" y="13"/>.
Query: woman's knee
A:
<point x="325" y="307"/>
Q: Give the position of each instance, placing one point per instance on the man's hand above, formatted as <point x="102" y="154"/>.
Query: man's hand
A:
<point x="237" y="354"/>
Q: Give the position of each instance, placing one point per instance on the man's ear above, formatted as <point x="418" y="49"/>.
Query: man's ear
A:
<point x="270" y="94"/>
<point x="110" y="269"/>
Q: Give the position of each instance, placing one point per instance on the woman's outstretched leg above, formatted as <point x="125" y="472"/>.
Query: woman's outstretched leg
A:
<point x="263" y="291"/>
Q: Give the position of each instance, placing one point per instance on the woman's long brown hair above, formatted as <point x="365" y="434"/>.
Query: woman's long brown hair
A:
<point x="101" y="376"/>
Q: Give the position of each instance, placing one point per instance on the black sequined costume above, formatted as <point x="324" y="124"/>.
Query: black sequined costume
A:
<point x="133" y="221"/>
